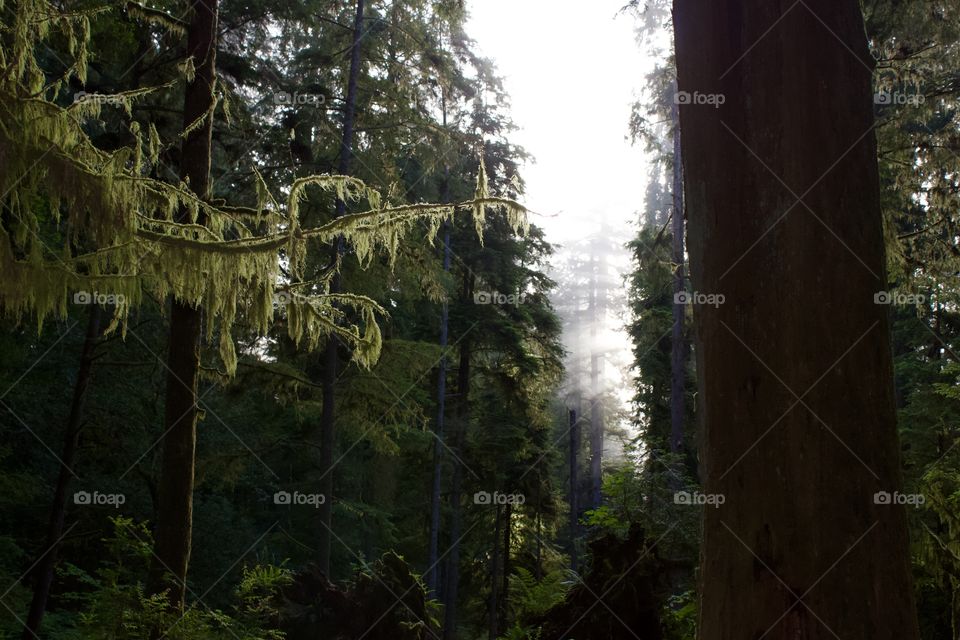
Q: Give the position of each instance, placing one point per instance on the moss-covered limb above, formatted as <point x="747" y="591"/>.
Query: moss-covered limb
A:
<point x="350" y="300"/>
<point x="122" y="99"/>
<point x="225" y="259"/>
<point x="156" y="17"/>
<point x="355" y="227"/>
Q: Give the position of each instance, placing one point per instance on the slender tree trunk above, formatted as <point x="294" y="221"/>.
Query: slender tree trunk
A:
<point x="71" y="439"/>
<point x="795" y="367"/>
<point x="451" y="585"/>
<point x="451" y="590"/>
<point x="435" y="491"/>
<point x="505" y="571"/>
<point x="493" y="610"/>
<point x="596" y="440"/>
<point x="538" y="569"/>
<point x="175" y="513"/>
<point x="678" y="345"/>
<point x="574" y="488"/>
<point x="596" y="409"/>
<point x="330" y="360"/>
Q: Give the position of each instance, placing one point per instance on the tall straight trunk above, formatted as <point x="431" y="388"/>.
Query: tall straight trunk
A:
<point x="493" y="610"/>
<point x="574" y="488"/>
<point x="538" y="556"/>
<point x="795" y="367"/>
<point x="175" y="513"/>
<point x="596" y="441"/>
<point x="71" y="438"/>
<point x="452" y="583"/>
<point x="503" y="623"/>
<point x="596" y="409"/>
<point x="433" y="558"/>
<point x="678" y="345"/>
<point x="330" y="360"/>
<point x="435" y="489"/>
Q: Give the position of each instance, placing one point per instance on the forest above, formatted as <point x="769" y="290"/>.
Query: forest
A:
<point x="289" y="350"/>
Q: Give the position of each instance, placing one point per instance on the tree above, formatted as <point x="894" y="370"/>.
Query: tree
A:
<point x="678" y="344"/>
<point x="330" y="357"/>
<point x="175" y="513"/>
<point x="795" y="370"/>
<point x="47" y="562"/>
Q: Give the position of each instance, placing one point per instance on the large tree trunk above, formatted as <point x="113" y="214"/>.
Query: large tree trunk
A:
<point x="795" y="368"/>
<point x="175" y="513"/>
<point x="71" y="439"/>
<point x="330" y="359"/>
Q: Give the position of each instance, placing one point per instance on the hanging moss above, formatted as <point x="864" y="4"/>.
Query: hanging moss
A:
<point x="227" y="262"/>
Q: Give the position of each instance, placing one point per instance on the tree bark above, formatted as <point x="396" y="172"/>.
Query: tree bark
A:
<point x="175" y="514"/>
<point x="48" y="560"/>
<point x="795" y="368"/>
<point x="330" y="360"/>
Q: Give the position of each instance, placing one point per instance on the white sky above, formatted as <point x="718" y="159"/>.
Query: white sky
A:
<point x="571" y="69"/>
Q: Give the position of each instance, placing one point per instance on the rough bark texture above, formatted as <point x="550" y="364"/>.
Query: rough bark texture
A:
<point x="175" y="513"/>
<point x="799" y="549"/>
<point x="71" y="439"/>
<point x="330" y="358"/>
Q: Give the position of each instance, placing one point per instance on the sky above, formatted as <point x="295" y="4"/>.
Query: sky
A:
<point x="572" y="70"/>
